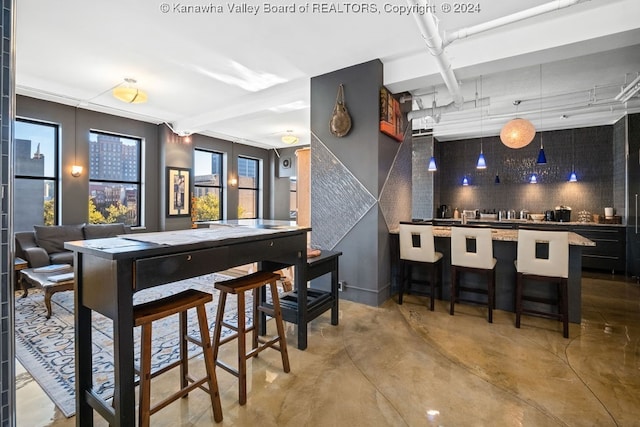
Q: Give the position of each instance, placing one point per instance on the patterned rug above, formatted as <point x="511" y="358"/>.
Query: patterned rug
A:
<point x="46" y="347"/>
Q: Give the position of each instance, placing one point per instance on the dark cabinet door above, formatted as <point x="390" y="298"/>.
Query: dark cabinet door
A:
<point x="633" y="196"/>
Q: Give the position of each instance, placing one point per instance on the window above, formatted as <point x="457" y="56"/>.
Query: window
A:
<point x="114" y="178"/>
<point x="248" y="187"/>
<point x="207" y="185"/>
<point x="36" y="174"/>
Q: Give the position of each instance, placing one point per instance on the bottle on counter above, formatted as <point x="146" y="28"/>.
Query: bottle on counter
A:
<point x="456" y="214"/>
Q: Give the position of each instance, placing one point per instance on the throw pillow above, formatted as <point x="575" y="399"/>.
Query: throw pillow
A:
<point x="52" y="238"/>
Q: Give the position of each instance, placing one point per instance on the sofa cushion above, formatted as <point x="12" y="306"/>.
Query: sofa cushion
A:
<point x="52" y="238"/>
<point x="101" y="231"/>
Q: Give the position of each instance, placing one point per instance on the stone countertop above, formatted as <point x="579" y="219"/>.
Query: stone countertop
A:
<point x="508" y="235"/>
<point x="527" y="222"/>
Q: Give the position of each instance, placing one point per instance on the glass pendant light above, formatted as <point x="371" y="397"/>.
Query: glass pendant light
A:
<point x="432" y="165"/>
<point x="497" y="180"/>
<point x="542" y="159"/>
<point x="572" y="176"/>
<point x="481" y="164"/>
<point x="533" y="179"/>
<point x="432" y="162"/>
<point x="465" y="181"/>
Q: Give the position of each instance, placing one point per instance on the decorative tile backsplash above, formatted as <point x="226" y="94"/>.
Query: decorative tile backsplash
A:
<point x="589" y="150"/>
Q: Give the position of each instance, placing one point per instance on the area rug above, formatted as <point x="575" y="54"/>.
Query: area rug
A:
<point x="46" y="347"/>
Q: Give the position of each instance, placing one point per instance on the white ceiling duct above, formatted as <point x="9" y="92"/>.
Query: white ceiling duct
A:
<point x="450" y="37"/>
<point x="428" y="25"/>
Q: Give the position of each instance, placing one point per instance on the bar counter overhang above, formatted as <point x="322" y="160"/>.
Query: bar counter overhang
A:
<point x="504" y="251"/>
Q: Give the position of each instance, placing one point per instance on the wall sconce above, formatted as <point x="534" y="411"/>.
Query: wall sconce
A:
<point x="76" y="171"/>
<point x="233" y="182"/>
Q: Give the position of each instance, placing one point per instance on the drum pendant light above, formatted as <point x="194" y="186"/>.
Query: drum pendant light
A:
<point x="517" y="133"/>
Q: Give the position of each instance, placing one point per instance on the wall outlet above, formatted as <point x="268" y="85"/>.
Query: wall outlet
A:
<point x="342" y="285"/>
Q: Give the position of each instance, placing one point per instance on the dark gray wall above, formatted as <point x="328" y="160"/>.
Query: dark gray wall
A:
<point x="360" y="183"/>
<point x="162" y="148"/>
<point x="590" y="149"/>
<point x="75" y="125"/>
<point x="178" y="152"/>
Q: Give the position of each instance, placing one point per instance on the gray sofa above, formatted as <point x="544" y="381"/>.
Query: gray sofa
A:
<point x="45" y="244"/>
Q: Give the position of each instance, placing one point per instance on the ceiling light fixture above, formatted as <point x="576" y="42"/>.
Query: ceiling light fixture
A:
<point x="127" y="92"/>
<point x="573" y="177"/>
<point x="432" y="162"/>
<point x="517" y="133"/>
<point x="481" y="164"/>
<point x="289" y="138"/>
<point x="542" y="158"/>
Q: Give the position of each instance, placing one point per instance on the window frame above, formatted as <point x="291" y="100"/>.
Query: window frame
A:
<point x="220" y="186"/>
<point x="56" y="178"/>
<point x="139" y="173"/>
<point x="258" y="185"/>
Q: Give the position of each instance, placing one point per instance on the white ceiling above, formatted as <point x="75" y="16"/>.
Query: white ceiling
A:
<point x="246" y="77"/>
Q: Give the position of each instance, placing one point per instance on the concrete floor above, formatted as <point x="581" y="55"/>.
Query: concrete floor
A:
<point x="406" y="366"/>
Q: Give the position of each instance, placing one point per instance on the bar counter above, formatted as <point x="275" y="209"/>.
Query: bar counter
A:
<point x="504" y="251"/>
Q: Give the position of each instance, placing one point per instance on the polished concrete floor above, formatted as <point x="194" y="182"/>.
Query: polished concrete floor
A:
<point x="406" y="366"/>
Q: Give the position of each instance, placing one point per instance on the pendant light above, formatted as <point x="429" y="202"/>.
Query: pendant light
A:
<point x="481" y="164"/>
<point x="432" y="162"/>
<point x="542" y="159"/>
<point x="572" y="176"/>
<point x="517" y="133"/>
<point x="465" y="181"/>
<point x="533" y="179"/>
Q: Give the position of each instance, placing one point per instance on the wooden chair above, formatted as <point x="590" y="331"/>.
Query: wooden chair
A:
<point x="238" y="286"/>
<point x="144" y="315"/>
<point x="472" y="252"/>
<point x="417" y="249"/>
<point x="543" y="256"/>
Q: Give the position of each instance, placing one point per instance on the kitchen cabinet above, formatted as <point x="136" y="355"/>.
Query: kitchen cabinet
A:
<point x="609" y="252"/>
<point x="633" y="192"/>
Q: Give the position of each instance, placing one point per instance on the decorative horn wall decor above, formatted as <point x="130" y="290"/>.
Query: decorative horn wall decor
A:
<point x="340" y="123"/>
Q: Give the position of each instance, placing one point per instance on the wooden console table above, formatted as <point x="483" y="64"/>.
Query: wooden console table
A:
<point x="109" y="271"/>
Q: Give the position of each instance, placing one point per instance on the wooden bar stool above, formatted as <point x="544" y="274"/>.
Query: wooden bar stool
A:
<point x="144" y="314"/>
<point x="239" y="286"/>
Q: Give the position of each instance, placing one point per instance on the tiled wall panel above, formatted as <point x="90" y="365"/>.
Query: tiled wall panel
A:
<point x="589" y="150"/>
<point x="6" y="301"/>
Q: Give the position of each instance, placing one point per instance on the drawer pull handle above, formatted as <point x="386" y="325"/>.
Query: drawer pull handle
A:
<point x="188" y="257"/>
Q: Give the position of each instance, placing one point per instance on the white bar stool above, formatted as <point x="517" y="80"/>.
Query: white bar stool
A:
<point x="472" y="252"/>
<point x="417" y="248"/>
<point x="543" y="256"/>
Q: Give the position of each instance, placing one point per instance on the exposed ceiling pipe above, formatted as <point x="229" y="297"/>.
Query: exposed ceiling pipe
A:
<point x="449" y="37"/>
<point x="431" y="112"/>
<point x="427" y="23"/>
